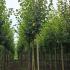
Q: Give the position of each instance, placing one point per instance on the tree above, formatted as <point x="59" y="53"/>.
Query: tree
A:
<point x="6" y="34"/>
<point x="63" y="8"/>
<point x="33" y="15"/>
<point x="42" y="26"/>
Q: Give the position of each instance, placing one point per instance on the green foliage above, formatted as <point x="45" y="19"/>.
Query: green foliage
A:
<point x="8" y="37"/>
<point x="55" y="30"/>
<point x="33" y="15"/>
<point x="41" y="22"/>
<point x="6" y="33"/>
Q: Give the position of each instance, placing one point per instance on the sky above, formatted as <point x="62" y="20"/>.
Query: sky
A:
<point x="12" y="4"/>
<point x="15" y="5"/>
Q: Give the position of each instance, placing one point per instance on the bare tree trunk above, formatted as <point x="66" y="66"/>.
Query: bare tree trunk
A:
<point x="55" y="59"/>
<point x="4" y="59"/>
<point x="33" y="60"/>
<point x="62" y="61"/>
<point x="37" y="56"/>
<point x="45" y="58"/>
<point x="50" y="59"/>
<point x="29" y="59"/>
<point x="1" y="57"/>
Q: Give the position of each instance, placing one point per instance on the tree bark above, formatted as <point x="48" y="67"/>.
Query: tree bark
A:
<point x="62" y="61"/>
<point x="37" y="56"/>
<point x="29" y="59"/>
<point x="4" y="59"/>
<point x="55" y="59"/>
<point x="50" y="59"/>
<point x="33" y="60"/>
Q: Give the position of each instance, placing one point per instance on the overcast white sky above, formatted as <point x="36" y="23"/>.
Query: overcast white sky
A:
<point x="15" y="5"/>
<point x="12" y="4"/>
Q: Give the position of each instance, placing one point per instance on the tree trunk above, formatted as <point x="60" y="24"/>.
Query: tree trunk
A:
<point x="33" y="60"/>
<point x="4" y="59"/>
<point x="50" y="59"/>
<point x="45" y="59"/>
<point x="62" y="61"/>
<point x="29" y="59"/>
<point x="55" y="59"/>
<point x="37" y="56"/>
